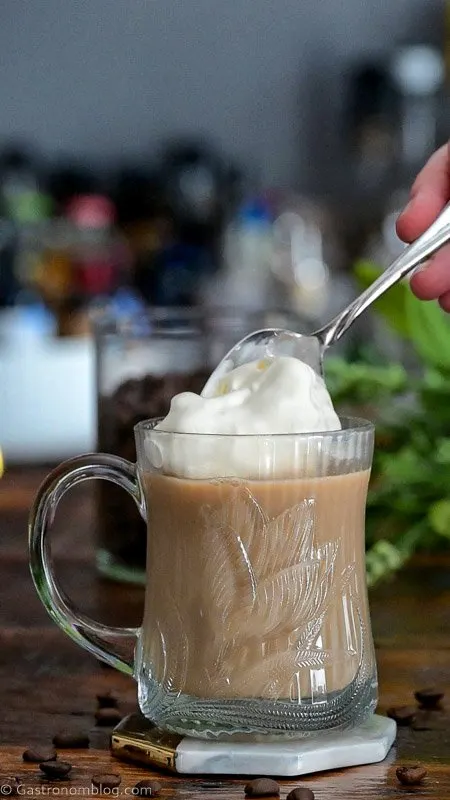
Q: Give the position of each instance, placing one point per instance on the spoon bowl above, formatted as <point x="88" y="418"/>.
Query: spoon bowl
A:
<point x="266" y="343"/>
<point x="272" y="342"/>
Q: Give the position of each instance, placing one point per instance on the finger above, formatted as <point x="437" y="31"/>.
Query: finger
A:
<point x="444" y="301"/>
<point x="435" y="174"/>
<point x="433" y="280"/>
<point x="429" y="193"/>
<point x="419" y="214"/>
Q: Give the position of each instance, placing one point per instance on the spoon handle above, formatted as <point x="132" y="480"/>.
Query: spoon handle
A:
<point x="430" y="241"/>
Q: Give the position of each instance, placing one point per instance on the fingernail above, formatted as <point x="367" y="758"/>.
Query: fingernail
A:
<point x="421" y="268"/>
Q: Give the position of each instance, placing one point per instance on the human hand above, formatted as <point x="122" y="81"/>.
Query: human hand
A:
<point x="429" y="194"/>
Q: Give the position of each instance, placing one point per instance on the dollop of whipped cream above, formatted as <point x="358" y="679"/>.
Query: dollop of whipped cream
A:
<point x="279" y="395"/>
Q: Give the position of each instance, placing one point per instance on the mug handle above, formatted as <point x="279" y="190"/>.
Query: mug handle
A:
<point x="113" y="645"/>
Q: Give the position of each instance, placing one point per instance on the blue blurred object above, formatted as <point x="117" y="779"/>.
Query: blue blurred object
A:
<point x="255" y="211"/>
<point x="173" y="278"/>
<point x="126" y="303"/>
<point x="29" y="321"/>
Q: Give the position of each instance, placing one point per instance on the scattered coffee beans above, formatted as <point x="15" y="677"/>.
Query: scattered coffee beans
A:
<point x="146" y="788"/>
<point x="107" y="700"/>
<point x="106" y="781"/>
<point x="423" y="721"/>
<point x="411" y="776"/>
<point x="429" y="697"/>
<point x="107" y="717"/>
<point x="403" y="715"/>
<point x="71" y="741"/>
<point x="430" y="721"/>
<point x="300" y="793"/>
<point x="262" y="787"/>
<point x="55" y="769"/>
<point x="37" y="756"/>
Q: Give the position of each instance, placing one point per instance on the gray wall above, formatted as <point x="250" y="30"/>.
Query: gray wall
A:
<point x="108" y="78"/>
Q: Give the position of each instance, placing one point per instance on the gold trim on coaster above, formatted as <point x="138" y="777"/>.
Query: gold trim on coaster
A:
<point x="136" y="739"/>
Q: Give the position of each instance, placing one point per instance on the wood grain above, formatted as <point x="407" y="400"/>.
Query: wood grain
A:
<point x="48" y="684"/>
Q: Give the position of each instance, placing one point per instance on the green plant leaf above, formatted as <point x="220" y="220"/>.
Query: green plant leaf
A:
<point x="390" y="305"/>
<point x="439" y="517"/>
<point x="361" y="382"/>
<point x="443" y="452"/>
<point x="382" y="559"/>
<point x="429" y="329"/>
<point x="404" y="468"/>
<point x="408" y="506"/>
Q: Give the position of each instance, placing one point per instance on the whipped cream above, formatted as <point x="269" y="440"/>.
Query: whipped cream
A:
<point x="280" y="395"/>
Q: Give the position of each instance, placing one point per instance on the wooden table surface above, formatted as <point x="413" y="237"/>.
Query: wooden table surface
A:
<point x="48" y="684"/>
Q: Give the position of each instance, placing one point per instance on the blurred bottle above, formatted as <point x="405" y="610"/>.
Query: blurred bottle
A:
<point x="199" y="188"/>
<point x="299" y="264"/>
<point x="418" y="74"/>
<point x="245" y="277"/>
<point x="97" y="255"/>
<point x="24" y="209"/>
<point x="370" y="117"/>
<point x="393" y="121"/>
<point x="67" y="180"/>
<point x="9" y="282"/>
<point x="83" y="262"/>
<point x="187" y="201"/>
<point x="19" y="183"/>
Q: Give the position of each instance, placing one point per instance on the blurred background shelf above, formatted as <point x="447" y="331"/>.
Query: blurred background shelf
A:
<point x="198" y="154"/>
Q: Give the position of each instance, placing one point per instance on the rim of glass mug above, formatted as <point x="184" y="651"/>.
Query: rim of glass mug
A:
<point x="350" y="425"/>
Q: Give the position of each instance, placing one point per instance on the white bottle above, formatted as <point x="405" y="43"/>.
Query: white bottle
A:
<point x="245" y="278"/>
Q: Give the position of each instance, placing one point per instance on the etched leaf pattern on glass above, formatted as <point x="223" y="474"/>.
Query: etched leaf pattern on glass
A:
<point x="265" y="595"/>
<point x="270" y="588"/>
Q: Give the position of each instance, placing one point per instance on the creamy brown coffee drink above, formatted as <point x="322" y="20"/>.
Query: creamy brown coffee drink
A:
<point x="253" y="583"/>
<point x="256" y="618"/>
<point x="256" y="510"/>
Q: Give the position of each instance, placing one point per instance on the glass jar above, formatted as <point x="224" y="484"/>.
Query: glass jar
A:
<point x="141" y="363"/>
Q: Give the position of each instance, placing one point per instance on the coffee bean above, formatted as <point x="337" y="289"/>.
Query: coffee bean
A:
<point x="106" y="781"/>
<point x="300" y="793"/>
<point x="429" y="721"/>
<point x="36" y="756"/>
<point x="411" y="776"/>
<point x="9" y="787"/>
<point x="107" y="717"/>
<point x="262" y="787"/>
<point x="146" y="788"/>
<point x="107" y="700"/>
<point x="429" y="697"/>
<point x="71" y="741"/>
<point x="403" y="715"/>
<point x="55" y="769"/>
<point x="423" y="721"/>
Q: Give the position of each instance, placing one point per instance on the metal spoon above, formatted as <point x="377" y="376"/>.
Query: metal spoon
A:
<point x="311" y="349"/>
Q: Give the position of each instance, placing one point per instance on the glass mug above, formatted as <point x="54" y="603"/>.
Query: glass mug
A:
<point x="256" y="613"/>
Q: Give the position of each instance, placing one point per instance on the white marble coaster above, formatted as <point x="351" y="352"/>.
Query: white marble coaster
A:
<point x="366" y="744"/>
